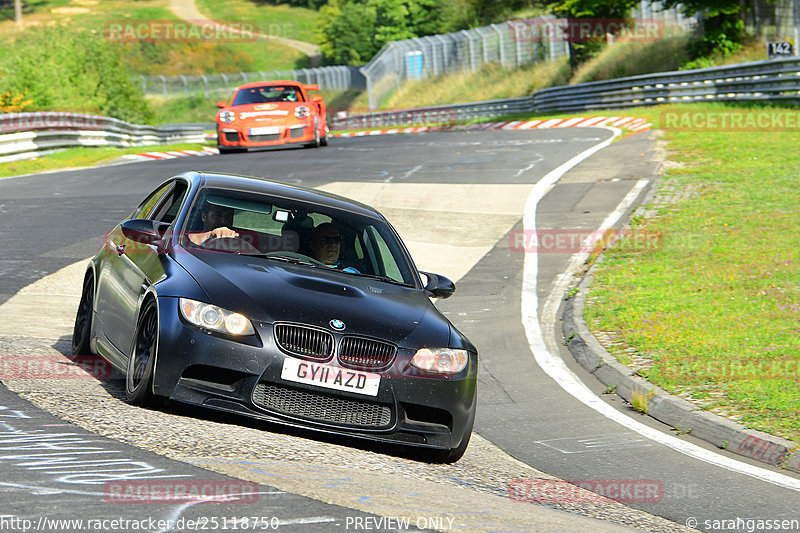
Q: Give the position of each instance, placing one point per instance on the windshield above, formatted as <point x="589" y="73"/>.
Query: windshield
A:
<point x="268" y="93"/>
<point x="249" y="224"/>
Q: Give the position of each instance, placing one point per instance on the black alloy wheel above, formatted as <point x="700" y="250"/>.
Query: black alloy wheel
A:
<point x="83" y="319"/>
<point x="139" y="373"/>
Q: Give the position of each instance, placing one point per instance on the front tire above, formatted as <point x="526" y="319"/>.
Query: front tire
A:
<point x="83" y="319"/>
<point x="139" y="372"/>
<point x="316" y="143"/>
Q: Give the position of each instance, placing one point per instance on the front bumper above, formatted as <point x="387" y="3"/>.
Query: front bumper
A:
<point x="239" y="136"/>
<point x="245" y="378"/>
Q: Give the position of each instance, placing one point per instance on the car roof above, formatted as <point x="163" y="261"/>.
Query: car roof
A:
<point x="282" y="190"/>
<point x="271" y="82"/>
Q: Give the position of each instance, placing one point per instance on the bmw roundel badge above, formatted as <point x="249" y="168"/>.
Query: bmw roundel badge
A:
<point x="337" y="324"/>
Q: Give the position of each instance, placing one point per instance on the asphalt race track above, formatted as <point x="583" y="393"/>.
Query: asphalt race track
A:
<point x="458" y="199"/>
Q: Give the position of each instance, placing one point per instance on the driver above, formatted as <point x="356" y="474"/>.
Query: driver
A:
<point x="216" y="221"/>
<point x="325" y="244"/>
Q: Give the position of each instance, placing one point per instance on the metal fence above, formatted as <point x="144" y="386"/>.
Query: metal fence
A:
<point x="510" y="44"/>
<point x="329" y="78"/>
<point x="654" y="10"/>
<point x="774" y="20"/>
<point x="513" y="43"/>
<point x="760" y="81"/>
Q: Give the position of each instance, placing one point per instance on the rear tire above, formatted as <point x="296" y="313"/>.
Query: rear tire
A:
<point x="139" y="372"/>
<point x="83" y="319"/>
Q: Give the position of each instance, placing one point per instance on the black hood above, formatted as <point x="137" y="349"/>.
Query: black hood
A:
<point x="272" y="291"/>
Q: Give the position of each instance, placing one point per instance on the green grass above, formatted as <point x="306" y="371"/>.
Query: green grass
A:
<point x="494" y="81"/>
<point x="87" y="14"/>
<point x="174" y="58"/>
<point x="184" y="109"/>
<point x="296" y="23"/>
<point x="716" y="306"/>
<point x="490" y="82"/>
<point x="634" y="58"/>
<point x="83" y="157"/>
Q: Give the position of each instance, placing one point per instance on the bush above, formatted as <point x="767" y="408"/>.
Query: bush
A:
<point x="59" y="68"/>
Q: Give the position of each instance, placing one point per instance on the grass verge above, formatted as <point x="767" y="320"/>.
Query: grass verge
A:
<point x="715" y="305"/>
<point x="84" y="157"/>
<point x="490" y="82"/>
<point x="493" y="81"/>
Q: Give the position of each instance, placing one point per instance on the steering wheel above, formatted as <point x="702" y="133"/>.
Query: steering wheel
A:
<point x="296" y="255"/>
<point x="230" y="244"/>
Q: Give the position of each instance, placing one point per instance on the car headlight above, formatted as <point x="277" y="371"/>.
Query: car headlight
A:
<point x="302" y="111"/>
<point x="227" y="116"/>
<point x="215" y="318"/>
<point x="441" y="360"/>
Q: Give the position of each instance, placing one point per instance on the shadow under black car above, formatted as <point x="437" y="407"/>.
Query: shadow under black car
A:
<point x="114" y="383"/>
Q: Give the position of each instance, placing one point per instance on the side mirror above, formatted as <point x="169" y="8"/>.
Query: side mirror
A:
<point x="438" y="286"/>
<point x="222" y="103"/>
<point x="317" y="98"/>
<point x="142" y="231"/>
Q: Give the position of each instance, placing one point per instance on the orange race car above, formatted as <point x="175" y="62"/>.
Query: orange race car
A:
<point x="268" y="113"/>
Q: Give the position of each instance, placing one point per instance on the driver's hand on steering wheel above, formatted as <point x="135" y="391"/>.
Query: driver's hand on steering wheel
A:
<point x="216" y="233"/>
<point x="222" y="233"/>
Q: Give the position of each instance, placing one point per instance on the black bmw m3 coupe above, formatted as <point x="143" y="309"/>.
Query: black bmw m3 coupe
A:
<point x="281" y="303"/>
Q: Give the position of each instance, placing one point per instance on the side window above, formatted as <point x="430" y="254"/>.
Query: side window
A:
<point x="147" y="205"/>
<point x="383" y="259"/>
<point x="359" y="249"/>
<point x="168" y="208"/>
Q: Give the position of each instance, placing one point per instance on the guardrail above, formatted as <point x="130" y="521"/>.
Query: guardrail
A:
<point x="27" y="135"/>
<point x="769" y="80"/>
<point x="444" y="114"/>
<point x="776" y="79"/>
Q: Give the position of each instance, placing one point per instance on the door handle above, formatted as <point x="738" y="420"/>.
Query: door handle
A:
<point x="120" y="249"/>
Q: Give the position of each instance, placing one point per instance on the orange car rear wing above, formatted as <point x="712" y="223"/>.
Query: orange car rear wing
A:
<point x="311" y="87"/>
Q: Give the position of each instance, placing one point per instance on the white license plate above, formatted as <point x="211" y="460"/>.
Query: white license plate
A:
<point x="330" y="377"/>
<point x="266" y="130"/>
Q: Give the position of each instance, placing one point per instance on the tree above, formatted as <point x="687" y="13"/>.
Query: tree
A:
<point x="576" y="10"/>
<point x="723" y="27"/>
<point x="345" y="32"/>
<point x="61" y="68"/>
<point x="352" y="31"/>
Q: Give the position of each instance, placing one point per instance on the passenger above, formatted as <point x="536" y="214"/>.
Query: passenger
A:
<point x="216" y="221"/>
<point x="325" y="244"/>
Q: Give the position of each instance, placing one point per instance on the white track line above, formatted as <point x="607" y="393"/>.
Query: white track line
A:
<point x="555" y="367"/>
